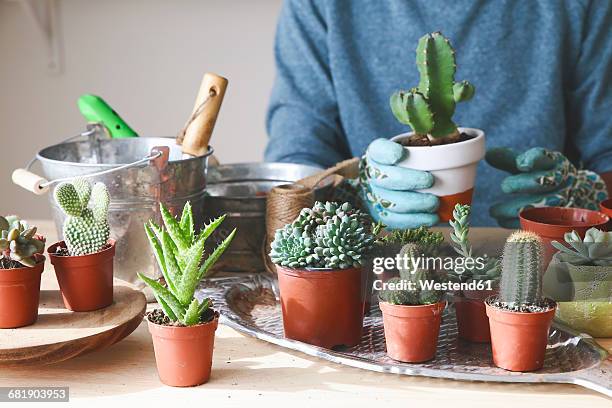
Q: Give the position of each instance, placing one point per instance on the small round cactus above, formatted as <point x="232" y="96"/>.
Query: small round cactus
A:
<point x="86" y="229"/>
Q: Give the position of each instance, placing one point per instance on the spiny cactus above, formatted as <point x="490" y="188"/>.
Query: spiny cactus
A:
<point x="328" y="235"/>
<point x="179" y="251"/>
<point x="19" y="242"/>
<point x="521" y="276"/>
<point x="460" y="243"/>
<point x="429" y="108"/>
<point x="411" y="278"/>
<point x="594" y="250"/>
<point x="86" y="229"/>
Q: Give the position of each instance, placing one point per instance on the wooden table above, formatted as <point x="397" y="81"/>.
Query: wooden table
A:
<point x="251" y="372"/>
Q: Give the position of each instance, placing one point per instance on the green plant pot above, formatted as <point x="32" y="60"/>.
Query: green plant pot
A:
<point x="590" y="310"/>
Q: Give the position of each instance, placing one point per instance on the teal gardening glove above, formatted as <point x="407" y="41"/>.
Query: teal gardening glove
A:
<point x="542" y="178"/>
<point x="388" y="190"/>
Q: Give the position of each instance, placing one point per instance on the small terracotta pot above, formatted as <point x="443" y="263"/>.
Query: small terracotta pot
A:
<point x="184" y="354"/>
<point x="472" y="320"/>
<point x="86" y="281"/>
<point x="19" y="295"/>
<point x="322" y="307"/>
<point x="411" y="332"/>
<point x="551" y="223"/>
<point x="519" y="339"/>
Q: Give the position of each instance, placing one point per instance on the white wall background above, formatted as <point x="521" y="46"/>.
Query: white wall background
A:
<point x="146" y="58"/>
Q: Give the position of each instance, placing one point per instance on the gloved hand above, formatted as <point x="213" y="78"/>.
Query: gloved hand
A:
<point x="542" y="178"/>
<point x="389" y="190"/>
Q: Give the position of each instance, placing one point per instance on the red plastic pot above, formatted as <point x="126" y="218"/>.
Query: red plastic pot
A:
<point x="19" y="295"/>
<point x="606" y="208"/>
<point x="322" y="307"/>
<point x="184" y="354"/>
<point x="86" y="281"/>
<point x="551" y="224"/>
<point x="411" y="332"/>
<point x="472" y="320"/>
<point x="519" y="339"/>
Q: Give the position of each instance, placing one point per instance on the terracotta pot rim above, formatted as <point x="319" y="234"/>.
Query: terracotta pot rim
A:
<point x="314" y="273"/>
<point x="161" y="326"/>
<point x="602" y="219"/>
<point x="552" y="308"/>
<point x="111" y="242"/>
<point x="23" y="274"/>
<point x="412" y="311"/>
<point x="28" y="268"/>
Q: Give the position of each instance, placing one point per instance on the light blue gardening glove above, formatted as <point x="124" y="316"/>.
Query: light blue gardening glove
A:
<point x="389" y="191"/>
<point x="542" y="178"/>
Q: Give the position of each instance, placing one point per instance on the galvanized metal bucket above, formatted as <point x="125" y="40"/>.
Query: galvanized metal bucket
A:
<point x="139" y="173"/>
<point x="239" y="191"/>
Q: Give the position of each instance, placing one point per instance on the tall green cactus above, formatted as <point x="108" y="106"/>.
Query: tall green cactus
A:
<point x="429" y="108"/>
<point x="521" y="276"/>
<point x="86" y="229"/>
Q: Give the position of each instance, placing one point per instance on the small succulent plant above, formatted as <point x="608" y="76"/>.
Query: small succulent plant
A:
<point x="328" y="235"/>
<point x="422" y="235"/>
<point x="594" y="250"/>
<point x="179" y="250"/>
<point x="410" y="291"/>
<point x="460" y="243"/>
<point x="19" y="242"/>
<point x="521" y="276"/>
<point x="86" y="229"/>
<point x="429" y="108"/>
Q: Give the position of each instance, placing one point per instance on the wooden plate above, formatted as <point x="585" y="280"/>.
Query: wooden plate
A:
<point x="60" y="334"/>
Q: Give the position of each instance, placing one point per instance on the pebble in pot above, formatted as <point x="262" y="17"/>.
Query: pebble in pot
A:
<point x="520" y="317"/>
<point x="318" y="259"/>
<point x="411" y="315"/>
<point x="183" y="330"/>
<point x="83" y="262"/>
<point x="21" y="265"/>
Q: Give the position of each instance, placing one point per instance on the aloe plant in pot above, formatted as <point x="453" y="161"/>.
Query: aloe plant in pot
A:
<point x="319" y="259"/>
<point x="183" y="330"/>
<point x="21" y="266"/>
<point x="411" y="313"/>
<point x="472" y="320"/>
<point x="83" y="262"/>
<point x="436" y="144"/>
<point x="520" y="316"/>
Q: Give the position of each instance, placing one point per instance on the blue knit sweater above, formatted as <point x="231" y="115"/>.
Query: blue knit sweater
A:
<point x="542" y="71"/>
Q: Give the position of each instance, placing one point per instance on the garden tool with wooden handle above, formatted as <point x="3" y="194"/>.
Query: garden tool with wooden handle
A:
<point x="196" y="134"/>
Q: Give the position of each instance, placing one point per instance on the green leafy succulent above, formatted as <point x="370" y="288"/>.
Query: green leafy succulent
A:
<point x="19" y="242"/>
<point x="328" y="235"/>
<point x="594" y="250"/>
<point x="179" y="250"/>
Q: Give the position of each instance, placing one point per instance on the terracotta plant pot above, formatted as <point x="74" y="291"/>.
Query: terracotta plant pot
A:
<point x="86" y="282"/>
<point x="322" y="307"/>
<point x="472" y="320"/>
<point x="411" y="332"/>
<point x="519" y="339"/>
<point x="452" y="165"/>
<point x="184" y="354"/>
<point x="551" y="223"/>
<point x="19" y="295"/>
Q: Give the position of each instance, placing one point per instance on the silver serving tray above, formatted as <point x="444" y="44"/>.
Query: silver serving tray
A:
<point x="250" y="305"/>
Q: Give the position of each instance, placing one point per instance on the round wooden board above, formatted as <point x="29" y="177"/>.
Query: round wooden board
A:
<point x="60" y="334"/>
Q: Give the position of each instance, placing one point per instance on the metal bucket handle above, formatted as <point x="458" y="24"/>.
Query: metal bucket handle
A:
<point x="39" y="185"/>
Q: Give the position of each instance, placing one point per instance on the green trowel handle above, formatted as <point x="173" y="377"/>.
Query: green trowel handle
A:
<point x="95" y="109"/>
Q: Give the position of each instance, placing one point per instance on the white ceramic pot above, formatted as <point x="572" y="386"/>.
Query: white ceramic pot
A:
<point x="452" y="165"/>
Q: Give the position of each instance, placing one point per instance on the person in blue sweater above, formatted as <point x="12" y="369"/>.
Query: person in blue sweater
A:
<point x="542" y="72"/>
